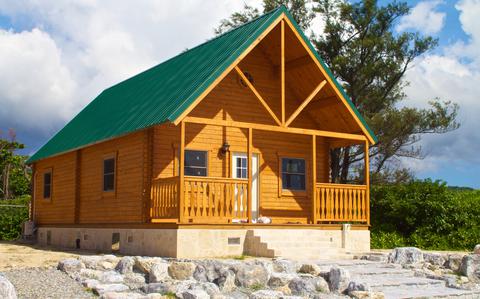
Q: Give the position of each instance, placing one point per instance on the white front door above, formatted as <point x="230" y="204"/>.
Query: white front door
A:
<point x="240" y="171"/>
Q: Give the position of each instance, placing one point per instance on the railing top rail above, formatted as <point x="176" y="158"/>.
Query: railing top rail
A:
<point x="214" y="179"/>
<point x="166" y="179"/>
<point x="346" y="186"/>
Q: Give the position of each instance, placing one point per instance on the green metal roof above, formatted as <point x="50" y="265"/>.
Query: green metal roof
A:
<point x="163" y="92"/>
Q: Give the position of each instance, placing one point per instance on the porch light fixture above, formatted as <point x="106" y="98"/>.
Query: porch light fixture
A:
<point x="225" y="148"/>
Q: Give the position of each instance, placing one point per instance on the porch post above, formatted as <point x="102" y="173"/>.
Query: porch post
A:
<point x="249" y="169"/>
<point x="367" y="180"/>
<point x="314" y="179"/>
<point x="181" y="193"/>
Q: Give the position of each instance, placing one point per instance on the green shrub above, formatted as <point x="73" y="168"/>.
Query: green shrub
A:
<point x="424" y="214"/>
<point x="11" y="218"/>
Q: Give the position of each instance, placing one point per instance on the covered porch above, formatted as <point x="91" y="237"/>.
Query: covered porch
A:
<point x="208" y="199"/>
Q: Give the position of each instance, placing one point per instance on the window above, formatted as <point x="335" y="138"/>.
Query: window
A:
<point x="109" y="174"/>
<point x="241" y="168"/>
<point x="195" y="163"/>
<point x="47" y="185"/>
<point x="293" y="174"/>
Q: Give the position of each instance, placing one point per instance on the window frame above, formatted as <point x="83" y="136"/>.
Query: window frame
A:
<point x="45" y="172"/>
<point x="207" y="161"/>
<point x="115" y="172"/>
<point x="291" y="192"/>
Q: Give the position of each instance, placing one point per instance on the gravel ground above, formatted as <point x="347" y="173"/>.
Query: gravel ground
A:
<point x="42" y="283"/>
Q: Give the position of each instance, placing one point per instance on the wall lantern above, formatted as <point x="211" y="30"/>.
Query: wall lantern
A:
<point x="225" y="148"/>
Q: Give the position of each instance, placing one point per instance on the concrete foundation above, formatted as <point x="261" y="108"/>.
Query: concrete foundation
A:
<point x="212" y="242"/>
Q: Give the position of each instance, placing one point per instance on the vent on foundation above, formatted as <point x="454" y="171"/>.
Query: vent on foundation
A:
<point x="233" y="241"/>
<point x="130" y="239"/>
<point x="115" y="241"/>
<point x="77" y="243"/>
<point x="85" y="237"/>
<point x="49" y="237"/>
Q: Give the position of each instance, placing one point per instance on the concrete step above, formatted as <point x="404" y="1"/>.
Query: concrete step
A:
<point x="293" y="245"/>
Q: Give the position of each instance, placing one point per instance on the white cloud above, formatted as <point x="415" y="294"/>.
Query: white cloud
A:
<point x="34" y="85"/>
<point x="75" y="49"/>
<point x="453" y="75"/>
<point x="424" y="17"/>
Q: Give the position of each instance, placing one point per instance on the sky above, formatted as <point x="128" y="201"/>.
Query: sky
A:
<point x="57" y="55"/>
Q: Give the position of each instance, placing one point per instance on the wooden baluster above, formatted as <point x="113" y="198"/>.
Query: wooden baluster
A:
<point x="322" y="205"/>
<point x="340" y="199"/>
<point x="363" y="205"/>
<point x="204" y="200"/>
<point x="210" y="199"/>
<point x="232" y="200"/>
<point x="336" y="204"/>
<point x="355" y="206"/>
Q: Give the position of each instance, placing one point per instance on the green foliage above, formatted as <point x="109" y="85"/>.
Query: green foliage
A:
<point x="424" y="214"/>
<point x="14" y="173"/>
<point x="11" y="218"/>
<point x="257" y="287"/>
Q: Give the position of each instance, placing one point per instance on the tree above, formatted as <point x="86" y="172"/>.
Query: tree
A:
<point x="298" y="8"/>
<point x="14" y="174"/>
<point x="369" y="58"/>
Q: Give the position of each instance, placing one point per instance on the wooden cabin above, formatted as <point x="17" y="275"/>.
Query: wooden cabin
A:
<point x="221" y="150"/>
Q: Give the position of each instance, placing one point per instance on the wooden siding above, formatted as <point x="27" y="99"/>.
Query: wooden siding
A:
<point x="125" y="203"/>
<point x="61" y="205"/>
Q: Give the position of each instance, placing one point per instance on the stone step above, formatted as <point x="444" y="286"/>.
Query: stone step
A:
<point x="428" y="291"/>
<point x="396" y="280"/>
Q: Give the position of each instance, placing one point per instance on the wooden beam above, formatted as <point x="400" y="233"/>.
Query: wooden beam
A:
<point x="331" y="83"/>
<point x="367" y="179"/>
<point x="305" y="102"/>
<point x="147" y="173"/>
<point x="78" y="161"/>
<point x="250" y="174"/>
<point x="228" y="70"/>
<point x="282" y="68"/>
<point x="238" y="124"/>
<point x="314" y="179"/>
<point x="259" y="97"/>
<point x="181" y="193"/>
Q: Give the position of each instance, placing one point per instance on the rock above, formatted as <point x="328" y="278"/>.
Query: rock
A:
<point x="304" y="286"/>
<point x="310" y="269"/>
<point x="91" y="273"/>
<point x="113" y="287"/>
<point x="111" y="277"/>
<point x="249" y="275"/>
<point x="405" y="256"/>
<point x="282" y="265"/>
<point x="117" y="295"/>
<point x="90" y="261"/>
<point x="158" y="287"/>
<point x="195" y="294"/>
<point x="280" y="279"/>
<point x="354" y="286"/>
<point x="470" y="266"/>
<point x="181" y="270"/>
<point x="134" y="280"/>
<point x="266" y="294"/>
<point x="106" y="265"/>
<point x="226" y="281"/>
<point x="158" y="272"/>
<point x="125" y="264"/>
<point x="144" y="264"/>
<point x="476" y="250"/>
<point x="453" y="262"/>
<point x="436" y="259"/>
<point x="90" y="283"/>
<point x="170" y="286"/>
<point x="70" y="265"/>
<point x="367" y="295"/>
<point x="339" y="279"/>
<point x="209" y="287"/>
<point x="7" y="290"/>
<point x="284" y="290"/>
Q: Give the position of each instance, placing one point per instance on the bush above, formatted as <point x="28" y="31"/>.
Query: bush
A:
<point x="424" y="214"/>
<point x="11" y="218"/>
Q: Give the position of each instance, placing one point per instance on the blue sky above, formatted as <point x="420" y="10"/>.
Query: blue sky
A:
<point x="56" y="56"/>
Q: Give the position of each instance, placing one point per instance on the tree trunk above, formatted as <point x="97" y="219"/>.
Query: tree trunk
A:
<point x="335" y="164"/>
<point x="345" y="165"/>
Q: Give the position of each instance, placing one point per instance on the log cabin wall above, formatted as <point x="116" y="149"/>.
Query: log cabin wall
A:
<point x="60" y="207"/>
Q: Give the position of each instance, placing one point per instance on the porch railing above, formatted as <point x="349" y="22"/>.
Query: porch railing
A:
<point x="341" y="203"/>
<point x="164" y="198"/>
<point x="219" y="200"/>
